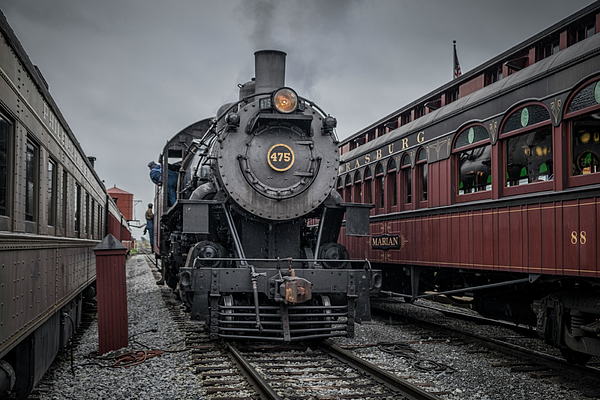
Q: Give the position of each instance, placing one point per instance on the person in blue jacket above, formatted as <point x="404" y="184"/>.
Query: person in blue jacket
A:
<point x="156" y="176"/>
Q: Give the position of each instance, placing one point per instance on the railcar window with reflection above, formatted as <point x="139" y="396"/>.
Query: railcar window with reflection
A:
<point x="586" y="145"/>
<point x="30" y="181"/>
<point x="93" y="219"/>
<point x="87" y="213"/>
<point x="340" y="187"/>
<point x="391" y="186"/>
<point x="379" y="186"/>
<point x="100" y="226"/>
<point x="407" y="179"/>
<point x="528" y="148"/>
<point x="585" y="130"/>
<point x="51" y="192"/>
<point x="474" y="160"/>
<point x="357" y="196"/>
<point x="4" y="162"/>
<point x="367" y="198"/>
<point x="529" y="158"/>
<point x="65" y="194"/>
<point x="77" y="213"/>
<point x="422" y="174"/>
<point x="348" y="194"/>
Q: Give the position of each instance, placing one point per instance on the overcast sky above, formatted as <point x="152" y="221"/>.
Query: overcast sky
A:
<point x="129" y="74"/>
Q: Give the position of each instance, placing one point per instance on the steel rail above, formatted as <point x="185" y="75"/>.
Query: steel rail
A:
<point x="405" y="388"/>
<point x="266" y="391"/>
<point x="504" y="347"/>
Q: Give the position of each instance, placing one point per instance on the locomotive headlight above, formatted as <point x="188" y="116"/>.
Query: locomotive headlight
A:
<point x="285" y="100"/>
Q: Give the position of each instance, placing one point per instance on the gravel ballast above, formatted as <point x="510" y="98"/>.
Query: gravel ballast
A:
<point x="166" y="376"/>
<point x="469" y="373"/>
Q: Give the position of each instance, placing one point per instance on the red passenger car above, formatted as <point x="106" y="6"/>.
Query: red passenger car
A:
<point x="495" y="192"/>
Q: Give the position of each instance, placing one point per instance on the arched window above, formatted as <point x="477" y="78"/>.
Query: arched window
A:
<point x="348" y="191"/>
<point x="406" y="179"/>
<point x="473" y="155"/>
<point x="527" y="137"/>
<point x="357" y="196"/>
<point x="391" y="183"/>
<point x="379" y="187"/>
<point x="340" y="186"/>
<point x="583" y="112"/>
<point x="422" y="174"/>
<point x="368" y="181"/>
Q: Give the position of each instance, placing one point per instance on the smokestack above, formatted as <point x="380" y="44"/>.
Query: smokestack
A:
<point x="269" y="70"/>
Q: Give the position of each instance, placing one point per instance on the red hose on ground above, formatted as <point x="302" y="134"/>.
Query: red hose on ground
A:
<point x="135" y="357"/>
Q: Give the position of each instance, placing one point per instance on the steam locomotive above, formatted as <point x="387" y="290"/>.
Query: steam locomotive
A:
<point x="250" y="244"/>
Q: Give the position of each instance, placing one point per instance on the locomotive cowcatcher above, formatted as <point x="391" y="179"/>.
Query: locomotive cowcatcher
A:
<point x="250" y="244"/>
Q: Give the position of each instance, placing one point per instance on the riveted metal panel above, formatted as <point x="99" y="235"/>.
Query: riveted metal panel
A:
<point x="357" y="219"/>
<point x="195" y="218"/>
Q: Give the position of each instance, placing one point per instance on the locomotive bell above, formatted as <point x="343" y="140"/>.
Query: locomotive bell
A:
<point x="247" y="89"/>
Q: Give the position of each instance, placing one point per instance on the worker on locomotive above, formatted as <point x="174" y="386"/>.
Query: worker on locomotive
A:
<point x="251" y="244"/>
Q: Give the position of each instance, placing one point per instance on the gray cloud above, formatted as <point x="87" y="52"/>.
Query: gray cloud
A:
<point x="128" y="75"/>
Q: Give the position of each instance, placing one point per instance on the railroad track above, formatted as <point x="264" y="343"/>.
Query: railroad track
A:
<point x="323" y="371"/>
<point x="520" y="358"/>
<point x="233" y="371"/>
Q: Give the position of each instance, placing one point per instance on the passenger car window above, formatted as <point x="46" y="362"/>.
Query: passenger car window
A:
<point x="473" y="153"/>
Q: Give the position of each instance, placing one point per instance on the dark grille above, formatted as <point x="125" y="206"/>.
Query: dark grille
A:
<point x="472" y="135"/>
<point x="525" y="117"/>
<point x="589" y="96"/>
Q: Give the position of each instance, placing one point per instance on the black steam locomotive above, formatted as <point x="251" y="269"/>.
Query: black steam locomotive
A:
<point x="251" y="242"/>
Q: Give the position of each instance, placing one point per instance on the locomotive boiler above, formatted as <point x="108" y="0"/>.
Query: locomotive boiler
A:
<point x="251" y="242"/>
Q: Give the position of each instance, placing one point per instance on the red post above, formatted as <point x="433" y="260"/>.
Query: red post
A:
<point x="111" y="286"/>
